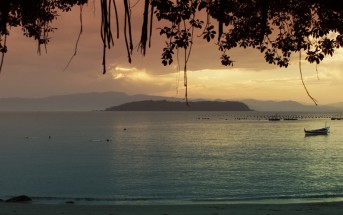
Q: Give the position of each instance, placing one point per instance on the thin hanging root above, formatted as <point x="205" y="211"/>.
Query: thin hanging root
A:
<point x="302" y="80"/>
<point x="185" y="84"/>
<point x="106" y="33"/>
<point x="109" y="37"/>
<point x="2" y="60"/>
<point x="111" y="40"/>
<point x="185" y="79"/>
<point x="3" y="54"/>
<point x="144" y="36"/>
<point x="126" y="40"/>
<point x="151" y="20"/>
<point x="104" y="59"/>
<point x="178" y="71"/>
<point x="46" y="38"/>
<point x="128" y="19"/>
<point x="103" y="32"/>
<point x="117" y="20"/>
<point x="77" y="42"/>
<point x="187" y="56"/>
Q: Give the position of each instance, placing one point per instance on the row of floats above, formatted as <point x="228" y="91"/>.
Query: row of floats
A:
<point x="274" y="117"/>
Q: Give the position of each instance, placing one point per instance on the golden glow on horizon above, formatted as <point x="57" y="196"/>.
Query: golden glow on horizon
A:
<point x="241" y="83"/>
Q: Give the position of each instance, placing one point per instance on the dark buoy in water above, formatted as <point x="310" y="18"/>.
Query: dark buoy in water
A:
<point x="124" y="129"/>
<point x="49" y="137"/>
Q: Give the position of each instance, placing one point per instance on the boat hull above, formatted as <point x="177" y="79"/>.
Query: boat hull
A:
<point x="321" y="131"/>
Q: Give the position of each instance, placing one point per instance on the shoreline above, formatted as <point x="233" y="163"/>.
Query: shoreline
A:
<point x="332" y="208"/>
<point x="147" y="201"/>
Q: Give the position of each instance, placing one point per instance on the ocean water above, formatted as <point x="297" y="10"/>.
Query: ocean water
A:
<point x="166" y="157"/>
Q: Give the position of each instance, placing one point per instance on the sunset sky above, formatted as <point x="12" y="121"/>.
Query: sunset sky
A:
<point x="27" y="74"/>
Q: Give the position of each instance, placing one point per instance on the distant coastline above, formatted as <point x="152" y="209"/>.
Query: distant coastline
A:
<point x="101" y="100"/>
<point x="164" y="105"/>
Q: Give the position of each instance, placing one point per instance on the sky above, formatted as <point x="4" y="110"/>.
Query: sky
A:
<point x="28" y="74"/>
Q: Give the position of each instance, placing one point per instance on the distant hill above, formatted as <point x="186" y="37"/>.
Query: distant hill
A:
<point x="164" y="105"/>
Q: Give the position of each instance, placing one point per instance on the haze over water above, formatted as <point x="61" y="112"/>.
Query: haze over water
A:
<point x="168" y="156"/>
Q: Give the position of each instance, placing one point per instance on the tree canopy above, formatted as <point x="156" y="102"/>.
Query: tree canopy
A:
<point x="277" y="28"/>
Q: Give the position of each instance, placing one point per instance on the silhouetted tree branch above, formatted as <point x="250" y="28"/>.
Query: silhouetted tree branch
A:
<point x="276" y="28"/>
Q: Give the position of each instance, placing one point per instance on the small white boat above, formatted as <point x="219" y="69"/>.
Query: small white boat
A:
<point x="320" y="131"/>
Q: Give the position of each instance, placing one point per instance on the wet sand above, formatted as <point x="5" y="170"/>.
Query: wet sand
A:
<point x="329" y="208"/>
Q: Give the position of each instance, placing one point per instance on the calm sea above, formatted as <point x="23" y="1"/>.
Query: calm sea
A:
<point x="164" y="157"/>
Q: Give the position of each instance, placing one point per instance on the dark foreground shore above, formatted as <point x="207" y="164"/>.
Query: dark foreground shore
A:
<point x="328" y="208"/>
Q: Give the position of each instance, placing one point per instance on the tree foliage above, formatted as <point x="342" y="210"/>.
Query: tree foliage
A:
<point x="277" y="28"/>
<point x="34" y="16"/>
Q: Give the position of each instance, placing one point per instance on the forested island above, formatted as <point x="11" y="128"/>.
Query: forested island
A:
<point x="163" y="105"/>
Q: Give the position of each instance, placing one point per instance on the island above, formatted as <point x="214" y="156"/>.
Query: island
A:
<point x="164" y="105"/>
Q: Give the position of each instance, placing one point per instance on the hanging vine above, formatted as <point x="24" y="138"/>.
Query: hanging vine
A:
<point x="303" y="82"/>
<point x="3" y="50"/>
<point x="106" y="33"/>
<point x="128" y="30"/>
<point x="77" y="41"/>
<point x="179" y="33"/>
<point x="144" y="36"/>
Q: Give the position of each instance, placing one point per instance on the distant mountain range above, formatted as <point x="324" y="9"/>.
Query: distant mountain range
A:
<point x="101" y="101"/>
<point x="72" y="102"/>
<point x="338" y="105"/>
<point x="289" y="106"/>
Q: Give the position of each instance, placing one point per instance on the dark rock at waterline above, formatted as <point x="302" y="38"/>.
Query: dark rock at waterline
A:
<point x="21" y="198"/>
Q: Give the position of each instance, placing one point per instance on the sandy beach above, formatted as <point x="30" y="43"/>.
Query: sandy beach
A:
<point x="330" y="208"/>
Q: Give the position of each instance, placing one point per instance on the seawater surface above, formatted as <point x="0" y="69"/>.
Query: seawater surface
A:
<point x="118" y="157"/>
